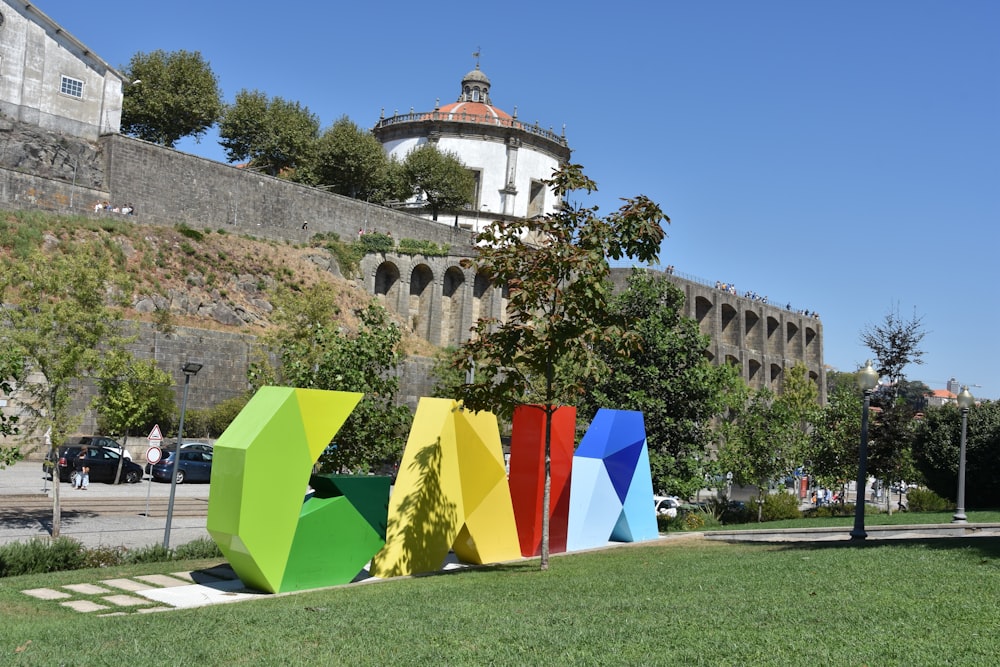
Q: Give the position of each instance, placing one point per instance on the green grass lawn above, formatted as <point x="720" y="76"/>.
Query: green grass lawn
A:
<point x="894" y="519"/>
<point x="676" y="602"/>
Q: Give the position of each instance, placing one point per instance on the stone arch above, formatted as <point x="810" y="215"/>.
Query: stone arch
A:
<point x="751" y="323"/>
<point x="812" y="351"/>
<point x="775" y="380"/>
<point x="388" y="285"/>
<point x="732" y="360"/>
<point x="504" y="301"/>
<point x="730" y="328"/>
<point x="772" y="348"/>
<point x="421" y="298"/>
<point x="453" y="307"/>
<point x="482" y="297"/>
<point x="702" y="309"/>
<point x="753" y="373"/>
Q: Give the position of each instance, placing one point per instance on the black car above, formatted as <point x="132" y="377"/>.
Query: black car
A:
<point x="102" y="461"/>
<point x="195" y="465"/>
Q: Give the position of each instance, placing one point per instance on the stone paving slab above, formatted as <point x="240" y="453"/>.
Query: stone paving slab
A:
<point x="47" y="594"/>
<point x="86" y="589"/>
<point x="161" y="580"/>
<point x="123" y="600"/>
<point x="126" y="584"/>
<point x="83" y="605"/>
<point x="200" y="595"/>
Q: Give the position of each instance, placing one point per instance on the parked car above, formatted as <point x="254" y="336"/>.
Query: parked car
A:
<point x="664" y="504"/>
<point x="98" y="441"/>
<point x="194" y="465"/>
<point x="102" y="461"/>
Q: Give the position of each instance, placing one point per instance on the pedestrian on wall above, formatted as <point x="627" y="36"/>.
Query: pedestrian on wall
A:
<point x="82" y="470"/>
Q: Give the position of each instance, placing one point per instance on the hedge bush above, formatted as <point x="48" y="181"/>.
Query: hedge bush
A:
<point x="779" y="506"/>
<point x="925" y="500"/>
<point x="42" y="555"/>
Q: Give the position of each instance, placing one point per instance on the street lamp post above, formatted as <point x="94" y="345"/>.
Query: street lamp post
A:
<point x="190" y="369"/>
<point x="867" y="381"/>
<point x="965" y="401"/>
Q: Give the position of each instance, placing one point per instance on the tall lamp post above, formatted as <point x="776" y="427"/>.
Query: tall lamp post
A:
<point x="867" y="381"/>
<point x="965" y="401"/>
<point x="190" y="369"/>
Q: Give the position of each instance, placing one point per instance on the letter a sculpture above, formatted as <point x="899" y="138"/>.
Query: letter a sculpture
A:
<point x="611" y="492"/>
<point x="451" y="493"/>
<point x="275" y="536"/>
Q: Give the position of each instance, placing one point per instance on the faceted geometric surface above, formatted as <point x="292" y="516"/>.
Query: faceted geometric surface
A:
<point x="527" y="475"/>
<point x="451" y="493"/>
<point x="273" y="536"/>
<point x="611" y="493"/>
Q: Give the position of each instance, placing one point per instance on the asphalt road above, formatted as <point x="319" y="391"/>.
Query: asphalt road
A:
<point x="129" y="515"/>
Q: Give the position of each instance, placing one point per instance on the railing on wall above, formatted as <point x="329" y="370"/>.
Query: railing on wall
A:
<point x="478" y="119"/>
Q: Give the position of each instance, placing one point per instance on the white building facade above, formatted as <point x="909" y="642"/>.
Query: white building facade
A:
<point x="509" y="159"/>
<point x="51" y="80"/>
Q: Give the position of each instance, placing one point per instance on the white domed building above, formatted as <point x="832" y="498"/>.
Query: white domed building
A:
<point x="509" y="159"/>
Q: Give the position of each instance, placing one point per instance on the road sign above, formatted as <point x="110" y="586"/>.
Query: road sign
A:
<point x="154" y="435"/>
<point x="153" y="455"/>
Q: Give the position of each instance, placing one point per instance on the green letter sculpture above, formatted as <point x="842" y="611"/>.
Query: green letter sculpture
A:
<point x="275" y="537"/>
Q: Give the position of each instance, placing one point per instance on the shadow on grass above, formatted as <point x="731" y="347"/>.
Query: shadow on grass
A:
<point x="988" y="547"/>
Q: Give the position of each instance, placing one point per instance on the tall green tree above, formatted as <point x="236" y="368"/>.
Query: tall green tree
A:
<point x="275" y="135"/>
<point x="558" y="307"/>
<point x="895" y="343"/>
<point x="65" y="313"/>
<point x="352" y="162"/>
<point x="668" y="377"/>
<point x="171" y="95"/>
<point x="832" y="457"/>
<point x="313" y="352"/>
<point x="132" y="394"/>
<point x="759" y="442"/>
<point x="439" y="176"/>
<point x="936" y="452"/>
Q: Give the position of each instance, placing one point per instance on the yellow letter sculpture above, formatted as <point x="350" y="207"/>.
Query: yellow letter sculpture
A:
<point x="451" y="492"/>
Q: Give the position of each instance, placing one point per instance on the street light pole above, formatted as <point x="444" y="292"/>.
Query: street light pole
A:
<point x="867" y="381"/>
<point x="190" y="369"/>
<point x="965" y="401"/>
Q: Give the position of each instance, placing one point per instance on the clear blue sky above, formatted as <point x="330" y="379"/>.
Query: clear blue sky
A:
<point x="840" y="156"/>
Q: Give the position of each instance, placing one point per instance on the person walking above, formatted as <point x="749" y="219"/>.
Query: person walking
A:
<point x="82" y="471"/>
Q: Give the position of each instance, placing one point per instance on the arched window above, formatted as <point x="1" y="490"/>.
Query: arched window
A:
<point x="475" y="94"/>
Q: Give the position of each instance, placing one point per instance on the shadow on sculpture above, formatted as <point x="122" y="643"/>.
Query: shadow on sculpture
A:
<point x="451" y="494"/>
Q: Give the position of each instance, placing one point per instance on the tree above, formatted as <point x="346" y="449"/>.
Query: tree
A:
<point x="60" y="322"/>
<point x="314" y="354"/>
<point x="832" y="458"/>
<point x="668" y="378"/>
<point x="762" y="442"/>
<point x="896" y="344"/>
<point x="558" y="305"/>
<point x="936" y="450"/>
<point x="439" y="176"/>
<point x="11" y="366"/>
<point x="275" y="135"/>
<point x="132" y="394"/>
<point x="172" y="95"/>
<point x="352" y="162"/>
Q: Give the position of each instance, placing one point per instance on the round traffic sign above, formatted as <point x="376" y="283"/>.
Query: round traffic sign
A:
<point x="154" y="454"/>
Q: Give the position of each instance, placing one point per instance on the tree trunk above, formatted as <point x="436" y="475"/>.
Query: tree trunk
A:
<point x="547" y="493"/>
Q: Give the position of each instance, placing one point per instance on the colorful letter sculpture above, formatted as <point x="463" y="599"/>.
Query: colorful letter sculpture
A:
<point x="451" y="493"/>
<point x="611" y="493"/>
<point x="275" y="537"/>
<point x="527" y="475"/>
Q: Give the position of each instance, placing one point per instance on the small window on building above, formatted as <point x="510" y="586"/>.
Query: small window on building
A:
<point x="72" y="87"/>
<point x="475" y="94"/>
<point x="536" y="199"/>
